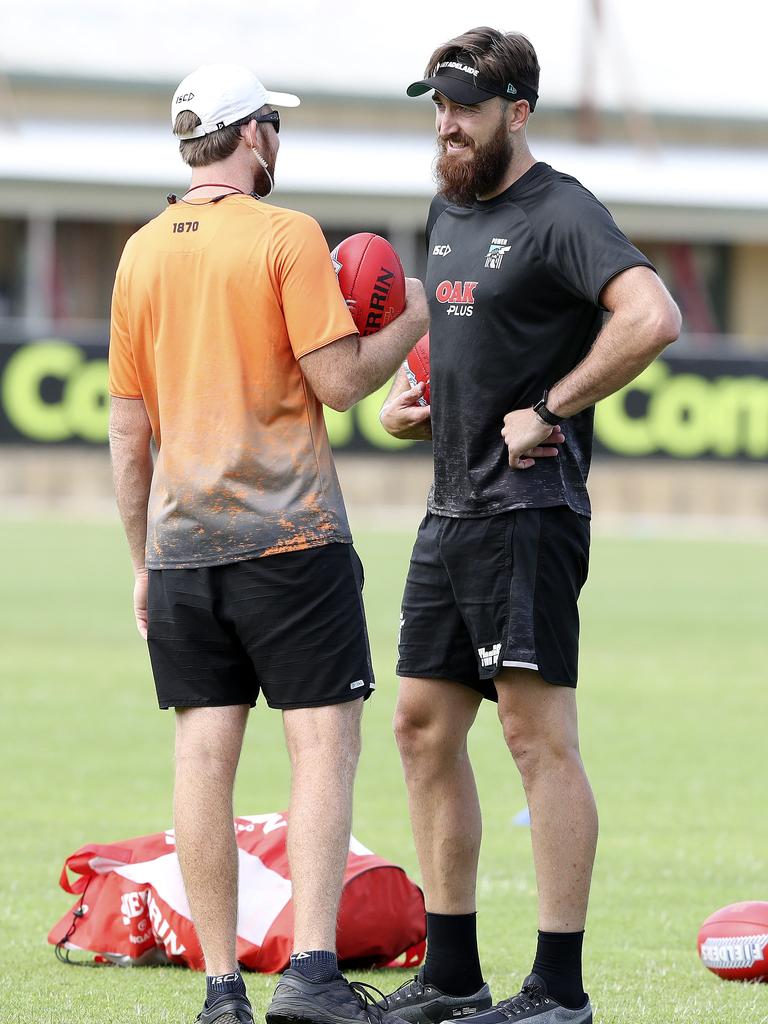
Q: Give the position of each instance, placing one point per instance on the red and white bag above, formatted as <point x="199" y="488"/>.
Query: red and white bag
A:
<point x="133" y="908"/>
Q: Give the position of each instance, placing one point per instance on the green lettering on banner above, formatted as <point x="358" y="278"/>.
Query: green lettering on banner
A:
<point x="679" y="415"/>
<point x="740" y="417"/>
<point x="688" y="415"/>
<point x="86" y="401"/>
<point x="83" y="410"/>
<point x="22" y="401"/>
<point x="685" y="415"/>
<point x="616" y="429"/>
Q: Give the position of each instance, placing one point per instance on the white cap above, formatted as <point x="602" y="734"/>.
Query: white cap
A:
<point x="221" y="94"/>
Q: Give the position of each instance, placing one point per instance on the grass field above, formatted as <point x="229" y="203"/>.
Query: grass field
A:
<point x="674" y="706"/>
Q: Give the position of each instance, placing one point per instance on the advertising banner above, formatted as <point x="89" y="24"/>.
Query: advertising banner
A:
<point x="54" y="391"/>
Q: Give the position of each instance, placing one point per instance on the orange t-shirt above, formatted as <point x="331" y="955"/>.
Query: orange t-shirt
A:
<point x="213" y="305"/>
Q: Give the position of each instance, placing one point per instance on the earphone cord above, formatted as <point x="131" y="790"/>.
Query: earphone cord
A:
<point x="263" y="163"/>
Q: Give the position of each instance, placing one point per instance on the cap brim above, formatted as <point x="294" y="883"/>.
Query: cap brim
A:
<point x="453" y="88"/>
<point x="283" y="99"/>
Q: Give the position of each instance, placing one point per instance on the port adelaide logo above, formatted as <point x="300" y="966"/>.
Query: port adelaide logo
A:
<point x="496" y="252"/>
<point x="489" y="655"/>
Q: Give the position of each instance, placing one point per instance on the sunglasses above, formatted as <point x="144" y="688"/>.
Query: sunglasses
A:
<point x="273" y="118"/>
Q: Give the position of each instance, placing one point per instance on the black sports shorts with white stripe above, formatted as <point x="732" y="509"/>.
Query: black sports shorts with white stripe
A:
<point x="291" y="625"/>
<point x="496" y="592"/>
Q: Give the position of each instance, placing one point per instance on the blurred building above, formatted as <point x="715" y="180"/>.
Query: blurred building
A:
<point x="84" y="162"/>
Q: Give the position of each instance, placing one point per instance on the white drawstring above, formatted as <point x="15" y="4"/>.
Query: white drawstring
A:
<point x="263" y="163"/>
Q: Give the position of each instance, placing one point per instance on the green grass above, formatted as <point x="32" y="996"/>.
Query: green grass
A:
<point x="673" y="708"/>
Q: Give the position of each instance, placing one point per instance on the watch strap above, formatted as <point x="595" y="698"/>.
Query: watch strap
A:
<point x="541" y="410"/>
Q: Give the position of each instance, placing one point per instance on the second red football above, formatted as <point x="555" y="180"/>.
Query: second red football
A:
<point x="417" y="367"/>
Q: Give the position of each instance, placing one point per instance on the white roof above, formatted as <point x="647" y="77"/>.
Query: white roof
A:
<point x="383" y="164"/>
<point x="692" y="56"/>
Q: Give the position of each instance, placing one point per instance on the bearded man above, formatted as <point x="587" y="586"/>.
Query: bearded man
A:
<point x="523" y="265"/>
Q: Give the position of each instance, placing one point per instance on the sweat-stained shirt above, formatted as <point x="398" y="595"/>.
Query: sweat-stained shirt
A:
<point x="214" y="304"/>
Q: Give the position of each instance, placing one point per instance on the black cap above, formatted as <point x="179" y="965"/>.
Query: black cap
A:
<point x="461" y="82"/>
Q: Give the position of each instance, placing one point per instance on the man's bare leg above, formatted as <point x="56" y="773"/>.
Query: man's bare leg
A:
<point x="541" y="730"/>
<point x="324" y="748"/>
<point x="432" y="720"/>
<point x="208" y="742"/>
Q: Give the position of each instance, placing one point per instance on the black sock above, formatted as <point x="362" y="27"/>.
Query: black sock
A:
<point x="453" y="963"/>
<point x="558" y="964"/>
<point x="223" y="984"/>
<point x="316" y="965"/>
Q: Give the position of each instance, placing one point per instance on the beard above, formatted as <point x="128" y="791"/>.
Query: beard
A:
<point x="460" y="180"/>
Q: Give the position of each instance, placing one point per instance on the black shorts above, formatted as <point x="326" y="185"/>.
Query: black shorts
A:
<point x="493" y="593"/>
<point x="291" y="624"/>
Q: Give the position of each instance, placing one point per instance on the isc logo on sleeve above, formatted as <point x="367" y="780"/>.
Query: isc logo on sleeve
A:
<point x="457" y="296"/>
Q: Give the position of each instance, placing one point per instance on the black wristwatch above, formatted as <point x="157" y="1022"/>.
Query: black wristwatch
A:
<point x="544" y="413"/>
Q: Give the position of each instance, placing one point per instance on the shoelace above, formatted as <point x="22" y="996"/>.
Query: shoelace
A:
<point x="370" y="1006"/>
<point x="413" y="987"/>
<point x="529" y="999"/>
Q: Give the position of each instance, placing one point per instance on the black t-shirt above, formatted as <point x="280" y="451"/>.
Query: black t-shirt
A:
<point x="513" y="285"/>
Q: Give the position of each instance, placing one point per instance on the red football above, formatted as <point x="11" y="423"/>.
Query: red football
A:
<point x="733" y="942"/>
<point x="371" y="279"/>
<point x="416" y="366"/>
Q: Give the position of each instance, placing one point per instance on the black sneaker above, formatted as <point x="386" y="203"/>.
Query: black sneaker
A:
<point x="297" y="999"/>
<point x="534" y="1003"/>
<point x="420" y="1003"/>
<point x="230" y="1008"/>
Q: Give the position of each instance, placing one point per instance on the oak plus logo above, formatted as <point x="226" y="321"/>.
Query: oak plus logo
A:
<point x="458" y="297"/>
<point x="496" y="252"/>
